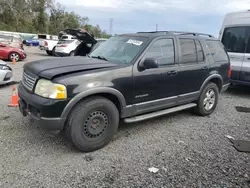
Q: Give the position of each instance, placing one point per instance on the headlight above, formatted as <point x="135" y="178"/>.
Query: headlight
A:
<point x="47" y="89"/>
<point x="4" y="67"/>
<point x="20" y="50"/>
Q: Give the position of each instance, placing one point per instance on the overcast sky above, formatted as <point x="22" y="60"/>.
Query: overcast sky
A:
<point x="143" y="15"/>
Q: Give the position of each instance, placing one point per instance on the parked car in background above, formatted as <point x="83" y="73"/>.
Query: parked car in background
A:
<point x="99" y="41"/>
<point x="5" y="73"/>
<point x="32" y="42"/>
<point x="66" y="47"/>
<point x="11" y="41"/>
<point x="235" y="35"/>
<point x="10" y="53"/>
<point x="49" y="45"/>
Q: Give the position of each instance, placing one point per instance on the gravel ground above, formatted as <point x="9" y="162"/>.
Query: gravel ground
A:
<point x="189" y="151"/>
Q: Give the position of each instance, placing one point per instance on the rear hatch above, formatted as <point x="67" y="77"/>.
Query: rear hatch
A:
<point x="81" y="35"/>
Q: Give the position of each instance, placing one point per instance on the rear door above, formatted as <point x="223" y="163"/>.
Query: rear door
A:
<point x="235" y="40"/>
<point x="194" y="68"/>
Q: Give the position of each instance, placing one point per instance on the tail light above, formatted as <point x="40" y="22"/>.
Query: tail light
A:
<point x="64" y="45"/>
<point x="45" y="43"/>
<point x="229" y="71"/>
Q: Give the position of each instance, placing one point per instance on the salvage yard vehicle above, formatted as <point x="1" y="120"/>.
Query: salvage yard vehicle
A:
<point x="5" y="73"/>
<point x="130" y="77"/>
<point x="66" y="47"/>
<point x="235" y="35"/>
<point x="10" y="53"/>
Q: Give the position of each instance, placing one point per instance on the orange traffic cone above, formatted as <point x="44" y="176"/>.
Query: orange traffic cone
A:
<point x="14" y="98"/>
<point x="13" y="61"/>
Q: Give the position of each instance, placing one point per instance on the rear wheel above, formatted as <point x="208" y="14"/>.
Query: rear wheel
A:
<point x="15" y="56"/>
<point x="49" y="52"/>
<point x="208" y="99"/>
<point x="72" y="53"/>
<point x="92" y="123"/>
<point x="53" y="51"/>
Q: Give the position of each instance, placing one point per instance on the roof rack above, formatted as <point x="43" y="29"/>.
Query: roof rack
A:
<point x="180" y="33"/>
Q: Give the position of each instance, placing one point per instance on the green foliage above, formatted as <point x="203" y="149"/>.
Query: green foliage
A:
<point x="42" y="16"/>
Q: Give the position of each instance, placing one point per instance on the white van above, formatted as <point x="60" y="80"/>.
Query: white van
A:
<point x="235" y="35"/>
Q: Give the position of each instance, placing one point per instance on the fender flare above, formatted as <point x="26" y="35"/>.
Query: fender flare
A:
<point x="82" y="95"/>
<point x="209" y="79"/>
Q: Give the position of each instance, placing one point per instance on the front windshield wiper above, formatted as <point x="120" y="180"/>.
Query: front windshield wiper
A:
<point x="99" y="57"/>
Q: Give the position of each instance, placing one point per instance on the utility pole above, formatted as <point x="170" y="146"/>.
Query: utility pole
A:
<point x="111" y="26"/>
<point x="156" y="27"/>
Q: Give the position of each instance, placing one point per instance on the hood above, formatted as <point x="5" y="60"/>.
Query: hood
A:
<point x="49" y="68"/>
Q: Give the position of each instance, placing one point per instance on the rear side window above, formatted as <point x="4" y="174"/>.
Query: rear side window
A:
<point x="191" y="51"/>
<point x="217" y="50"/>
<point x="235" y="39"/>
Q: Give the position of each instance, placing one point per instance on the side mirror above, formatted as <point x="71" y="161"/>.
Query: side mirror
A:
<point x="148" y="63"/>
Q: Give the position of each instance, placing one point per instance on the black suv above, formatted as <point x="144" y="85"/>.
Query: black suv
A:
<point x="132" y="77"/>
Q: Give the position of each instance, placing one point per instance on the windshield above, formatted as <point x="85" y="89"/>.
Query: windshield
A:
<point x="122" y="49"/>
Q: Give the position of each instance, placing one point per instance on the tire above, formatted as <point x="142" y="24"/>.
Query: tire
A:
<point x="92" y="123"/>
<point x="203" y="110"/>
<point x="14" y="55"/>
<point x="72" y="53"/>
<point x="53" y="51"/>
<point x="49" y="52"/>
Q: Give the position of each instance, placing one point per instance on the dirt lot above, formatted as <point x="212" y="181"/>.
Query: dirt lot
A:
<point x="189" y="151"/>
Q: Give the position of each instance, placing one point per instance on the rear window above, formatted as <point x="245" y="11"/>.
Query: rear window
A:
<point x="235" y="39"/>
<point x="217" y="50"/>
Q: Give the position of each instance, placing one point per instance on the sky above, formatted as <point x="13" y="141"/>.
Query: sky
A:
<point x="130" y="16"/>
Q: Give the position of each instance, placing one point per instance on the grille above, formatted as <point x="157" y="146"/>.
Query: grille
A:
<point x="28" y="80"/>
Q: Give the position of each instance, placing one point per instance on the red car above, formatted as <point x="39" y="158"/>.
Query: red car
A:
<point x="9" y="53"/>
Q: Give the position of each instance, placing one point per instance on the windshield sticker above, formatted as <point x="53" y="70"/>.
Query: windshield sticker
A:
<point x="135" y="42"/>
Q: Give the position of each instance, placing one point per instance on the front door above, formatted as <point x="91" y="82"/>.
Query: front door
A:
<point x="235" y="39"/>
<point x="245" y="68"/>
<point x="157" y="88"/>
<point x="2" y="51"/>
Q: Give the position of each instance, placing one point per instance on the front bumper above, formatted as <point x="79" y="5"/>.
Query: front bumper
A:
<point x="5" y="76"/>
<point x="46" y="112"/>
<point x="61" y="54"/>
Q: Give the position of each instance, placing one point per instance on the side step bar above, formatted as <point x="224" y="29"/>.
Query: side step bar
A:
<point x="159" y="113"/>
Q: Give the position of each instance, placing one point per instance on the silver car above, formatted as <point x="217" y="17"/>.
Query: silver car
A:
<point x="5" y="73"/>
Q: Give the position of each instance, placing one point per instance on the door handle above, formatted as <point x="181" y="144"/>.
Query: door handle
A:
<point x="248" y="58"/>
<point x="204" y="68"/>
<point x="172" y="73"/>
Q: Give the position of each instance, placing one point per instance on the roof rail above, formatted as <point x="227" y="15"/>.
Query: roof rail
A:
<point x="190" y="33"/>
<point x="180" y="33"/>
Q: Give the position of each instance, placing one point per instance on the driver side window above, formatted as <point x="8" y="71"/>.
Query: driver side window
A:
<point x="162" y="51"/>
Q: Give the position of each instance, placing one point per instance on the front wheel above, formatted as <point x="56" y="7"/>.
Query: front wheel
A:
<point x="14" y="56"/>
<point x="92" y="123"/>
<point x="208" y="100"/>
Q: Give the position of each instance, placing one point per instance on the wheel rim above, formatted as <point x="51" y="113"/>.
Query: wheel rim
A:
<point x="209" y="100"/>
<point x="72" y="54"/>
<point x="15" y="56"/>
<point x="95" y="124"/>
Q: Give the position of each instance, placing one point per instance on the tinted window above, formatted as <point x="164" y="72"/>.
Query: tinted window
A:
<point x="200" y="54"/>
<point x="188" y="51"/>
<point x="163" y="51"/>
<point x="234" y="39"/>
<point x="217" y="50"/>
